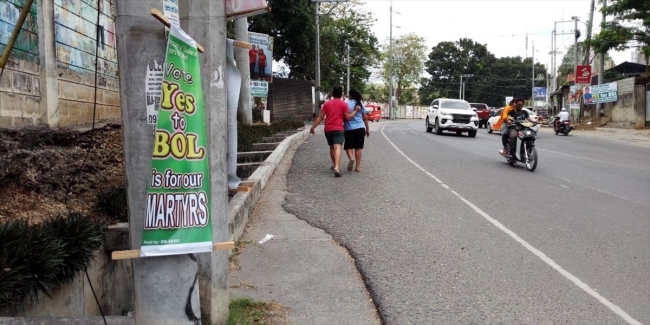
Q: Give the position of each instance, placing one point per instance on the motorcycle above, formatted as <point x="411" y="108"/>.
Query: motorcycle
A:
<point x="525" y="151"/>
<point x="564" y="127"/>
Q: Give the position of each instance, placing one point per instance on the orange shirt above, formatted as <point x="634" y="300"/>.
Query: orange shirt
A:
<point x="503" y="117"/>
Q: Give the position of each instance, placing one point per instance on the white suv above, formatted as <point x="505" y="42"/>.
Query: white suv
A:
<point x="454" y="115"/>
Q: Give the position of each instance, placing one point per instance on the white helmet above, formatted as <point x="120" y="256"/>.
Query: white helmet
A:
<point x="563" y="109"/>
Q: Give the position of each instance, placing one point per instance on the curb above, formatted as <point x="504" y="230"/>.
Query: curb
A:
<point x="242" y="204"/>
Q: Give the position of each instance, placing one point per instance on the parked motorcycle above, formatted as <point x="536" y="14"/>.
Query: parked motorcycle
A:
<point x="563" y="127"/>
<point x="525" y="151"/>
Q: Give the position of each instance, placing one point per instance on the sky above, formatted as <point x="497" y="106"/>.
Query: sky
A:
<point x="502" y="25"/>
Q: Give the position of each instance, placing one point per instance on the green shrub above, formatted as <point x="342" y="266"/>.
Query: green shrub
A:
<point x="113" y="202"/>
<point x="46" y="255"/>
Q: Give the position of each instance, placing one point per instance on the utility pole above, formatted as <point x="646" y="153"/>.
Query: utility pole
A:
<point x="317" y="74"/>
<point x="206" y="23"/>
<point x="348" y="61"/>
<point x="532" y="83"/>
<point x="244" y="110"/>
<point x="164" y="287"/>
<point x="390" y="64"/>
<point x="575" y="50"/>
<point x="601" y="64"/>
<point x="460" y="87"/>
<point x="589" y="27"/>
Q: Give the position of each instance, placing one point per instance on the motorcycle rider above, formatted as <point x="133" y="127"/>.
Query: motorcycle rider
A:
<point x="518" y="114"/>
<point x="503" y="126"/>
<point x="562" y="117"/>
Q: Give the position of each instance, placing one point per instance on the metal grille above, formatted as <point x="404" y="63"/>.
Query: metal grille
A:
<point x="461" y="118"/>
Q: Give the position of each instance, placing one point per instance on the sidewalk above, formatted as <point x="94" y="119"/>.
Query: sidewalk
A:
<point x="301" y="267"/>
<point x="637" y="138"/>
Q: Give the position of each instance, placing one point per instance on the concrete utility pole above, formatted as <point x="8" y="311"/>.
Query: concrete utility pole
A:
<point x="390" y="64"/>
<point x="244" y="109"/>
<point x="532" y="86"/>
<point x="589" y="28"/>
<point x="601" y="64"/>
<point x="348" y="62"/>
<point x="165" y="287"/>
<point x="317" y="73"/>
<point x="206" y="23"/>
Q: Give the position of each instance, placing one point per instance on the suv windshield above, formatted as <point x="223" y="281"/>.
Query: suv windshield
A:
<point x="455" y="105"/>
<point x="479" y="106"/>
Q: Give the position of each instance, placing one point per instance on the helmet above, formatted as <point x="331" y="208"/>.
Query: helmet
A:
<point x="563" y="109"/>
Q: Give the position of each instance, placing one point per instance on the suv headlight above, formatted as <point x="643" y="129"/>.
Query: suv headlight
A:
<point x="443" y="113"/>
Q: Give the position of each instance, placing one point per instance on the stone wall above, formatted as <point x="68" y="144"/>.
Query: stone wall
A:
<point x="629" y="110"/>
<point x="50" y="77"/>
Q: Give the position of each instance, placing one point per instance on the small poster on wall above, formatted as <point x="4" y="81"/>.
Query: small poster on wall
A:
<point x="260" y="57"/>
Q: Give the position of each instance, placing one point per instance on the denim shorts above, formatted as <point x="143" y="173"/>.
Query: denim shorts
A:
<point x="335" y="137"/>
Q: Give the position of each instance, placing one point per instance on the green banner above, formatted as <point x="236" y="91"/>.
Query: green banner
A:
<point x="178" y="199"/>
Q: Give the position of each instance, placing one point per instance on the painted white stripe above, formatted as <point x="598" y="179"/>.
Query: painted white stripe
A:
<point x="617" y="310"/>
<point x="591" y="159"/>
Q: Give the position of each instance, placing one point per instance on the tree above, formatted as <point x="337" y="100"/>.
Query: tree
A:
<point x="614" y="35"/>
<point x="375" y="93"/>
<point x="409" y="52"/>
<point x="448" y="61"/>
<point x="292" y="24"/>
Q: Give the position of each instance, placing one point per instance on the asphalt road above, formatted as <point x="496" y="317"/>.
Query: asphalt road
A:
<point x="444" y="231"/>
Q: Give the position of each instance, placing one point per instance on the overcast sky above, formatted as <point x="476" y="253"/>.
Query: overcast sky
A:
<point x="502" y="25"/>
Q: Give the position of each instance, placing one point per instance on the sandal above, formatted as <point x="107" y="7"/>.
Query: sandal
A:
<point x="337" y="173"/>
<point x="350" y="165"/>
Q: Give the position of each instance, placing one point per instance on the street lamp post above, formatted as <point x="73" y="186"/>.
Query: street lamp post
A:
<point x="461" y="91"/>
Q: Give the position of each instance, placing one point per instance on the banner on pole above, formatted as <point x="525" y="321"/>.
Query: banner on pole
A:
<point x="178" y="198"/>
<point x="574" y="96"/>
<point x="604" y="93"/>
<point x="260" y="89"/>
<point x="245" y="8"/>
<point x="260" y="57"/>
<point x="539" y="93"/>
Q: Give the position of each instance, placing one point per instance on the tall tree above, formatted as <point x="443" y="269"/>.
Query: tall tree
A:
<point x="292" y="24"/>
<point x="615" y="35"/>
<point x="447" y="61"/>
<point x="407" y="65"/>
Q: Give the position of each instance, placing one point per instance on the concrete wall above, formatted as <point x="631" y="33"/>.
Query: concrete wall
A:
<point x="20" y="94"/>
<point x="629" y="110"/>
<point x="50" y="77"/>
<point x="113" y="284"/>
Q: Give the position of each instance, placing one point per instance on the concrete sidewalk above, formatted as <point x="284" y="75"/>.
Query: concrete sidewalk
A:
<point x="637" y="138"/>
<point x="301" y="267"/>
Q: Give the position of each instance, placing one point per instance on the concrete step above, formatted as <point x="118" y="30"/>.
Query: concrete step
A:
<point x="265" y="146"/>
<point x="252" y="156"/>
<point x="272" y="139"/>
<point x="245" y="170"/>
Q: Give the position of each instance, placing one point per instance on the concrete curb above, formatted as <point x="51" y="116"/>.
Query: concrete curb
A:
<point x="114" y="320"/>
<point x="242" y="204"/>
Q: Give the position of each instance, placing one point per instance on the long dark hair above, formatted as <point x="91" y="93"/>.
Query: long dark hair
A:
<point x="356" y="96"/>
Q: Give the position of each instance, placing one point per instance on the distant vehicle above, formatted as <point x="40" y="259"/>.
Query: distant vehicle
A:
<point x="496" y="115"/>
<point x="451" y="115"/>
<point x="374" y="112"/>
<point x="483" y="112"/>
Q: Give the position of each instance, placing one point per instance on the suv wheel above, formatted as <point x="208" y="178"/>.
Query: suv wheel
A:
<point x="438" y="129"/>
<point x="428" y="126"/>
<point x="489" y="128"/>
<point x="472" y="133"/>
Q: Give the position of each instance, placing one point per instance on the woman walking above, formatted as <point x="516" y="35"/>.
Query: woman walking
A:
<point x="355" y="130"/>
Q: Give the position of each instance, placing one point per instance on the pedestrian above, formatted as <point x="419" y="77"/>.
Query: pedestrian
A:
<point x="252" y="60"/>
<point x="336" y="112"/>
<point x="355" y="130"/>
<point x="261" y="64"/>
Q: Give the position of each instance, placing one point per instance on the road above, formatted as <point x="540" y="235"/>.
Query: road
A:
<point x="445" y="232"/>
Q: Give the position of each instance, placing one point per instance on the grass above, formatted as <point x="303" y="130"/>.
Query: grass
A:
<point x="248" y="312"/>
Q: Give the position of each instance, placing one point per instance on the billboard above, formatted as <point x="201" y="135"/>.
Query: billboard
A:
<point x="604" y="93"/>
<point x="245" y="8"/>
<point x="259" y="89"/>
<point x="583" y="76"/>
<point x="260" y="57"/>
<point x="539" y="93"/>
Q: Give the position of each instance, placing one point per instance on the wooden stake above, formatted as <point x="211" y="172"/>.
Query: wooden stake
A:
<point x="161" y="18"/>
<point x="135" y="253"/>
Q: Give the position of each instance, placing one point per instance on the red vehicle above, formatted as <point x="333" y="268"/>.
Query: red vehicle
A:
<point x="483" y="112"/>
<point x="374" y="112"/>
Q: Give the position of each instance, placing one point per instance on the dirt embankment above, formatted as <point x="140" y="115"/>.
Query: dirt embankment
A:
<point x="39" y="165"/>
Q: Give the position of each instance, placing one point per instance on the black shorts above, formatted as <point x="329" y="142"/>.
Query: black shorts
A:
<point x="354" y="138"/>
<point x="334" y="137"/>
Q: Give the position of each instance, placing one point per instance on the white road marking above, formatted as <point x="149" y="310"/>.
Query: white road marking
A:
<point x="564" y="186"/>
<point x="414" y="132"/>
<point x="617" y="310"/>
<point x="595" y="189"/>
